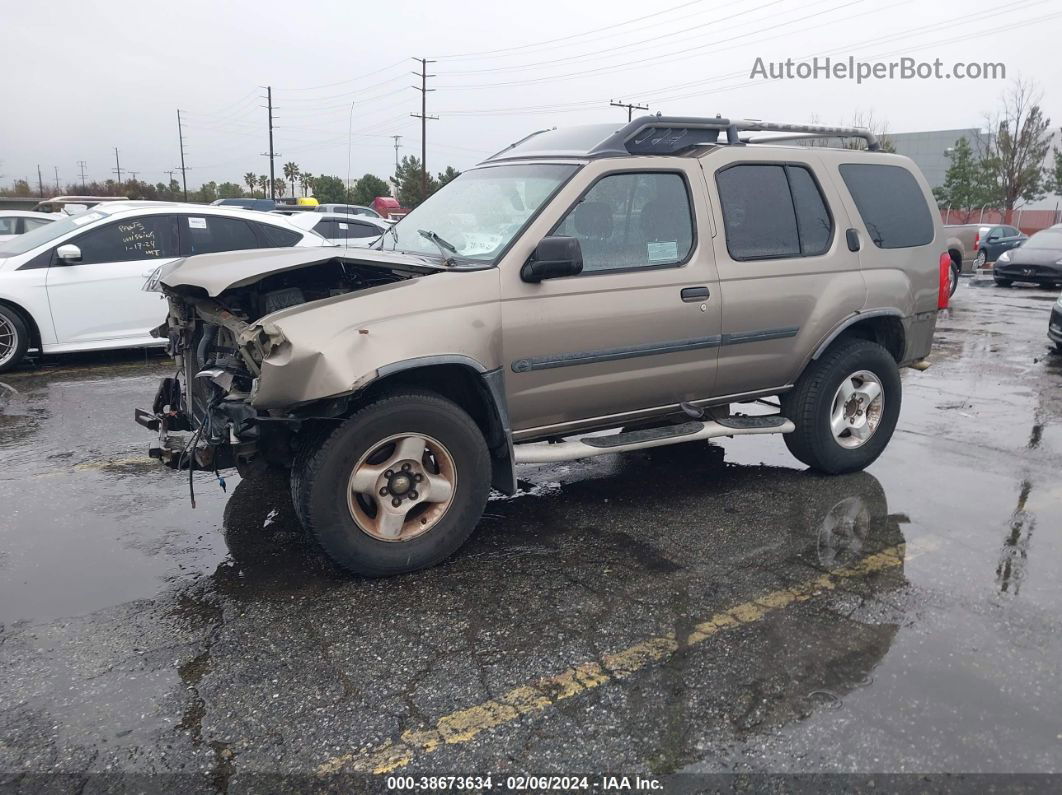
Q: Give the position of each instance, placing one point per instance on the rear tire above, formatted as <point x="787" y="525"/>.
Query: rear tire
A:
<point x="982" y="259"/>
<point x="447" y="455"/>
<point x="1004" y="282"/>
<point x="14" y="338"/>
<point x="954" y="280"/>
<point x="835" y="432"/>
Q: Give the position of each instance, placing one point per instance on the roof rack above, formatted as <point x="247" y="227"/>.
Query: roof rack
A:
<point x="665" y="135"/>
<point x="681" y="132"/>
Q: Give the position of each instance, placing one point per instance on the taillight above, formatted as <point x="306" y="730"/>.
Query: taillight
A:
<point x="944" y="291"/>
<point x="977" y="241"/>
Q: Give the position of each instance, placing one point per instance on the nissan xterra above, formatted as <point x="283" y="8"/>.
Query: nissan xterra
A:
<point x="585" y="291"/>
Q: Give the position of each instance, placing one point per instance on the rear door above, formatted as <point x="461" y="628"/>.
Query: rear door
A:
<point x="785" y="270"/>
<point x="100" y="298"/>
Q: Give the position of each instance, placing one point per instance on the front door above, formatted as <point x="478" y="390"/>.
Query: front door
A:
<point x="100" y="298"/>
<point x="639" y="328"/>
<point x="786" y="274"/>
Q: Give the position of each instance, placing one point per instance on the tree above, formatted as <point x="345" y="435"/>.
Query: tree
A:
<point x="263" y="183"/>
<point x="1054" y="174"/>
<point x="966" y="185"/>
<point x="291" y="172"/>
<point x="22" y="188"/>
<point x="307" y="182"/>
<point x="279" y="186"/>
<point x="408" y="182"/>
<point x="329" y="190"/>
<point x="251" y="181"/>
<point x="1015" y="151"/>
<point x="451" y="173"/>
<point x="229" y="190"/>
<point x="368" y="188"/>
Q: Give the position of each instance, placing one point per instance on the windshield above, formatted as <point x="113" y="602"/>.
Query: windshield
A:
<point x="47" y="233"/>
<point x="479" y="213"/>
<point x="1051" y="240"/>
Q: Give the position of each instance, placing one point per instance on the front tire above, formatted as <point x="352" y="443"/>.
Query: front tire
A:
<point x="954" y="285"/>
<point x="14" y="338"/>
<point x="845" y="407"/>
<point x="397" y="487"/>
<point x="981" y="259"/>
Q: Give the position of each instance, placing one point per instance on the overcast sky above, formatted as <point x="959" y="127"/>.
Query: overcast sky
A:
<point x="84" y="77"/>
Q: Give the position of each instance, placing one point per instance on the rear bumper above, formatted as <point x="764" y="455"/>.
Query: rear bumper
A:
<point x="1021" y="272"/>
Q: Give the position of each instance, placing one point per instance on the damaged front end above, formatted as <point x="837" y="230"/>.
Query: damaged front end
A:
<point x="204" y="414"/>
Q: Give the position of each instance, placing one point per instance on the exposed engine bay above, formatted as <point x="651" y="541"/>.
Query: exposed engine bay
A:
<point x="203" y="413"/>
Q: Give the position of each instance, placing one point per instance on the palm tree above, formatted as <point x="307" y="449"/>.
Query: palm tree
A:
<point x="263" y="183"/>
<point x="279" y="187"/>
<point x="307" y="183"/>
<point x="291" y="172"/>
<point x="251" y="180"/>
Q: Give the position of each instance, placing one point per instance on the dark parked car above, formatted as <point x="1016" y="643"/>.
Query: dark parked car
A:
<point x="1054" y="329"/>
<point x="999" y="239"/>
<point x="1038" y="260"/>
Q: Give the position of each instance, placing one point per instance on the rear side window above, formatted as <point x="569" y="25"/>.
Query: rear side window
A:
<point x="212" y="233"/>
<point x="891" y="204"/>
<point x="147" y="237"/>
<point x="276" y="237"/>
<point x="773" y="211"/>
<point x="8" y="226"/>
<point x="326" y="227"/>
<point x="360" y="230"/>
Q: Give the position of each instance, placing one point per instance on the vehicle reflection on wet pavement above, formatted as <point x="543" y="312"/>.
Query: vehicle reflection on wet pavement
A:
<point x="694" y="608"/>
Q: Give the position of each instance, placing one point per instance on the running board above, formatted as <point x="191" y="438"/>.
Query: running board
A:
<point x="589" y="446"/>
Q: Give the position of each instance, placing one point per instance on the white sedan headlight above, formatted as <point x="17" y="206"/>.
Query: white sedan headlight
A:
<point x="1004" y="257"/>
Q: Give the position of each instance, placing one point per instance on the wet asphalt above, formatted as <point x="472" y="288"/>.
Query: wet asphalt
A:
<point x="902" y="619"/>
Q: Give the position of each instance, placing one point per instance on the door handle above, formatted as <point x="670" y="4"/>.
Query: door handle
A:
<point x="693" y="295"/>
<point x="852" y="236"/>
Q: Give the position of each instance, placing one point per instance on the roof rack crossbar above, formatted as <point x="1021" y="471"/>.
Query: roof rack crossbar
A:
<point x="809" y="130"/>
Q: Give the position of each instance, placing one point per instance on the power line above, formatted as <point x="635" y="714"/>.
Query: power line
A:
<point x="656" y="13"/>
<point x="630" y="106"/>
<point x="424" y="117"/>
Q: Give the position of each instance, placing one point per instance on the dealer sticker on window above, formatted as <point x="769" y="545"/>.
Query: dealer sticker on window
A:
<point x="663" y="251"/>
<point x="197" y="223"/>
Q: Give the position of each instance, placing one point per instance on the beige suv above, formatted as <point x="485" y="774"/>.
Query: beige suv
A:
<point x="586" y="291"/>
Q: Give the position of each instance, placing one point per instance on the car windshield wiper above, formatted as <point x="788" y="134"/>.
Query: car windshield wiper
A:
<point x="389" y="231"/>
<point x="443" y="245"/>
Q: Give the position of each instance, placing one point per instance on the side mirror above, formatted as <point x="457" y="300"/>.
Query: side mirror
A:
<point x="554" y="257"/>
<point x="68" y="254"/>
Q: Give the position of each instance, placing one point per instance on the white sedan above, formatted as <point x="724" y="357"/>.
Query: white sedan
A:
<point x="18" y="222"/>
<point x="75" y="284"/>
<point x="342" y="229"/>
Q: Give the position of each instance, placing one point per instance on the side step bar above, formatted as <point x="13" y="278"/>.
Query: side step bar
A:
<point x="589" y="446"/>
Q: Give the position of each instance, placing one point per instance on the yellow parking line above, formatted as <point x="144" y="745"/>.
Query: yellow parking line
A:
<point x="540" y="694"/>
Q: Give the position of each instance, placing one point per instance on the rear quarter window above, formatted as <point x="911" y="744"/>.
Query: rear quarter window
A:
<point x="891" y="203"/>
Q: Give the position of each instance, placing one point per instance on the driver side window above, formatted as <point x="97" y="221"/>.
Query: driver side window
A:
<point x="632" y="220"/>
<point x="147" y="237"/>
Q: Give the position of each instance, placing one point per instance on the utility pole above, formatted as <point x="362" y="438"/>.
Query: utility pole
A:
<point x="397" y="139"/>
<point x="630" y="106"/>
<point x="132" y="175"/>
<point x="58" y="190"/>
<point x="40" y="180"/>
<point x="180" y="138"/>
<point x="272" y="154"/>
<point x="118" y="165"/>
<point x="424" y="117"/>
<point x="81" y="164"/>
